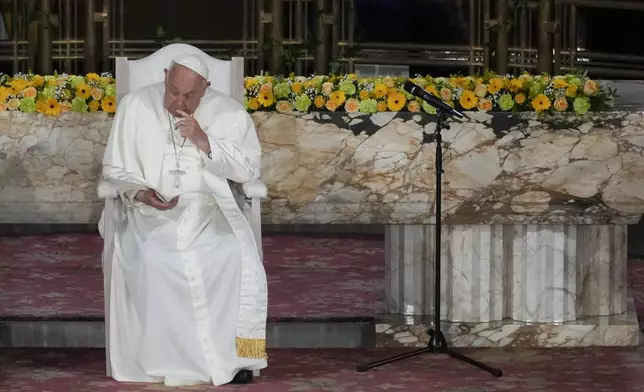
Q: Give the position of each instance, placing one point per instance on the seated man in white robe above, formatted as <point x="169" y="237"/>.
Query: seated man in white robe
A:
<point x="188" y="293"/>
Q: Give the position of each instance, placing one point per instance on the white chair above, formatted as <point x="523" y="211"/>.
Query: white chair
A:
<point x="226" y="77"/>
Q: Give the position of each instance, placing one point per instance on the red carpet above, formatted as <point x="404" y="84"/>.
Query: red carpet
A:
<point x="60" y="276"/>
<point x="604" y="370"/>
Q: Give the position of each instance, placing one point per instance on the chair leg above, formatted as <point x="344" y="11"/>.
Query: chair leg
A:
<point x="256" y="373"/>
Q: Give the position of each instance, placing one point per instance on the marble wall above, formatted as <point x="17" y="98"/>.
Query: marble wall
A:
<point x="339" y="168"/>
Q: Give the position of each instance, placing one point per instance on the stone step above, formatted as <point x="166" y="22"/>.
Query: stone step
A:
<point x="311" y="334"/>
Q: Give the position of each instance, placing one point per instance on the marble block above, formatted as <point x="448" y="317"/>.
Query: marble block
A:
<point x="530" y="273"/>
<point x="595" y="331"/>
<point x="328" y="168"/>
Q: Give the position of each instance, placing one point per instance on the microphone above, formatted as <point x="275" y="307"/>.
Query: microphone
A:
<point x="415" y="89"/>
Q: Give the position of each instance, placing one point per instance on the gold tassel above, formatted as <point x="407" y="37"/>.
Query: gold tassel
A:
<point x="251" y="348"/>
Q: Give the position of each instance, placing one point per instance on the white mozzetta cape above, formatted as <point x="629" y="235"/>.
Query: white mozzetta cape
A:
<point x="133" y="159"/>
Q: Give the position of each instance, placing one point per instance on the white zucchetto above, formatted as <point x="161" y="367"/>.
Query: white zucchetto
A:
<point x="193" y="62"/>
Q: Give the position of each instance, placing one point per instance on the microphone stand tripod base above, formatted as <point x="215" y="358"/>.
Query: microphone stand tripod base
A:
<point x="437" y="343"/>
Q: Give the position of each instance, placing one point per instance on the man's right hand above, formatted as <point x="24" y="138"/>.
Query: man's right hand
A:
<point x="149" y="197"/>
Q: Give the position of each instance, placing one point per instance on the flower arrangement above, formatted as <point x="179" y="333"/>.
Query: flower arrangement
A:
<point x="538" y="93"/>
<point x="56" y="94"/>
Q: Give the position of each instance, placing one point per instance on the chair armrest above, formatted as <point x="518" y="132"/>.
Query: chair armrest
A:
<point x="255" y="189"/>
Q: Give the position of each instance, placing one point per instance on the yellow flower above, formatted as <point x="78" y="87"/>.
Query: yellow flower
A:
<point x="319" y="101"/>
<point x="485" y="105"/>
<point x="17" y="85"/>
<point x="382" y="106"/>
<point x="93" y="106"/>
<point x="249" y="83"/>
<point x="541" y="103"/>
<point x="353" y="76"/>
<point x="51" y="107"/>
<point x="495" y="85"/>
<point x="97" y="93"/>
<point x="413" y="106"/>
<point x="396" y="101"/>
<point x="253" y="104"/>
<point x="364" y="94"/>
<point x="93" y="77"/>
<point x="515" y="85"/>
<point x="83" y="91"/>
<point x="4" y="93"/>
<point x="108" y="105"/>
<point x="561" y="104"/>
<point x="338" y="97"/>
<point x="379" y="91"/>
<point x="432" y="90"/>
<point x="560" y="83"/>
<point x="265" y="99"/>
<point x="297" y="88"/>
<point x="520" y="98"/>
<point x="51" y="81"/>
<point x="352" y="105"/>
<point x="571" y="91"/>
<point x="468" y="100"/>
<point x="37" y="80"/>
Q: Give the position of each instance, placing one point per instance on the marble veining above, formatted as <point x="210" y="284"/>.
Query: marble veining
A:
<point x="604" y="331"/>
<point x="355" y="168"/>
<point x="530" y="273"/>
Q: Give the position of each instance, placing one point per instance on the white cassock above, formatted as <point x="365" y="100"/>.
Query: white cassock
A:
<point x="188" y="290"/>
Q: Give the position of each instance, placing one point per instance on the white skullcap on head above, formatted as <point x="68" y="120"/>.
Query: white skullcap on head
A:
<point x="193" y="62"/>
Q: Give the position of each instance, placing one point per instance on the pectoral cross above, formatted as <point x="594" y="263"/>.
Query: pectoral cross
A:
<point x="177" y="173"/>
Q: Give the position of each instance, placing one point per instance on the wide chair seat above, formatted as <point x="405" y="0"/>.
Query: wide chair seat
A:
<point x="226" y="77"/>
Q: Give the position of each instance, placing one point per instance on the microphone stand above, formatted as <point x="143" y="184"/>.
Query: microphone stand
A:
<point x="437" y="343"/>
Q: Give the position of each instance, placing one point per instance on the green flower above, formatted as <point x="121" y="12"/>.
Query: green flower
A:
<point x="49" y="92"/>
<point x="348" y="87"/>
<point x="368" y="106"/>
<point x="506" y="102"/>
<point x="302" y="103"/>
<point x="79" y="105"/>
<point x="428" y="108"/>
<point x="535" y="89"/>
<point x="110" y="90"/>
<point x="581" y="105"/>
<point x="75" y="80"/>
<point x="28" y="105"/>
<point x="576" y="82"/>
<point x="282" y="90"/>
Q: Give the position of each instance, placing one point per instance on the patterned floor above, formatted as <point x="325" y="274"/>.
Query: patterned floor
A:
<point x="60" y="276"/>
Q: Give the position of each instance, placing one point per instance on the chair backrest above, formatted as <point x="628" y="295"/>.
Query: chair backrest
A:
<point x="225" y="76"/>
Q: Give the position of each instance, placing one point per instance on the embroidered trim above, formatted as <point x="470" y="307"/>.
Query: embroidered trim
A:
<point x="251" y="348"/>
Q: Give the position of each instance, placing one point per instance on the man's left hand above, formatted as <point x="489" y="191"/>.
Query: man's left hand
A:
<point x="191" y="130"/>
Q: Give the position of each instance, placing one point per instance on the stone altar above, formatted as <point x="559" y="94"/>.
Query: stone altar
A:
<point x="536" y="209"/>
